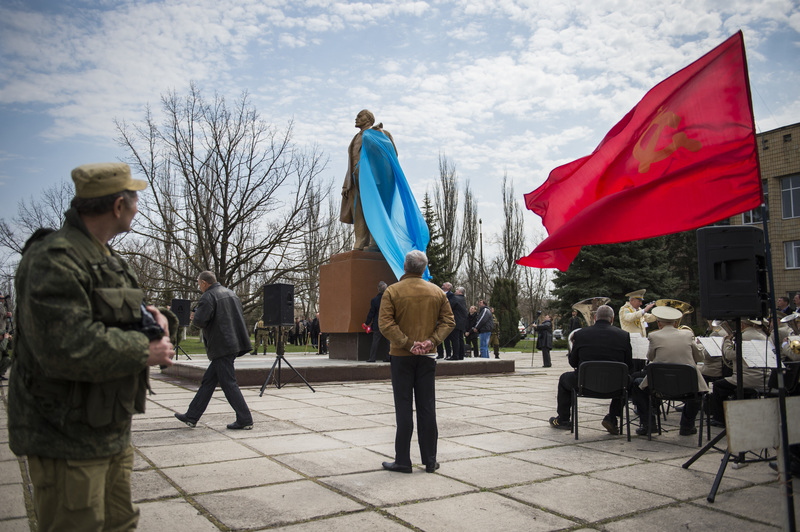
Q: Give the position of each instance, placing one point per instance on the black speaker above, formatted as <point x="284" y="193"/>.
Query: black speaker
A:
<point x="182" y="309"/>
<point x="733" y="272"/>
<point x="278" y="304"/>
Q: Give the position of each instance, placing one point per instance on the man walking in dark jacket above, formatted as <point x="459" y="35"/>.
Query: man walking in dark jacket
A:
<point x="219" y="314"/>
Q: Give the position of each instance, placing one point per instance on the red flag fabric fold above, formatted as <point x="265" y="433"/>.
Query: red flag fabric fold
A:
<point x="684" y="157"/>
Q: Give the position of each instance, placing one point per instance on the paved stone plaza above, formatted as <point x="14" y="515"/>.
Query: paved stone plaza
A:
<point x="313" y="463"/>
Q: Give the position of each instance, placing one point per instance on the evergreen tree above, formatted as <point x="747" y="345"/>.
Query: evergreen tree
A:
<point x="437" y="264"/>
<point x="613" y="270"/>
<point x="506" y="308"/>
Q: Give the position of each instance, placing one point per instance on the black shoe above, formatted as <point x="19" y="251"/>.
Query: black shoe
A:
<point x="687" y="431"/>
<point x="397" y="468"/>
<point x="558" y="424"/>
<point x="642" y="430"/>
<point x="370" y="361"/>
<point x="717" y="423"/>
<point x="239" y="426"/>
<point x="182" y="418"/>
<point x="773" y="465"/>
<point x="439" y="357"/>
<point x="447" y="358"/>
<point x="548" y="366"/>
<point x="679" y="408"/>
<point x="610" y="424"/>
<point x="431" y="468"/>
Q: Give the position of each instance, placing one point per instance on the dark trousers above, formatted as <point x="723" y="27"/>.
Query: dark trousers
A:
<point x="380" y="346"/>
<point x="722" y="391"/>
<point x="472" y="344"/>
<point x="454" y="344"/>
<point x="413" y="379"/>
<point x="568" y="382"/>
<point x="641" y="399"/>
<point x="546" y="357"/>
<point x="220" y="371"/>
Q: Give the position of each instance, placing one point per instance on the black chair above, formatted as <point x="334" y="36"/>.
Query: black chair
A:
<point x="791" y="380"/>
<point x="673" y="382"/>
<point x="602" y="379"/>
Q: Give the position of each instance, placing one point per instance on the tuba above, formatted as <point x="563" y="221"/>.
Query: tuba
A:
<point x="791" y="319"/>
<point x="686" y="308"/>
<point x="588" y="309"/>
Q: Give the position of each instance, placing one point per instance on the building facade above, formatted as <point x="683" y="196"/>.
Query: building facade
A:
<point x="779" y="157"/>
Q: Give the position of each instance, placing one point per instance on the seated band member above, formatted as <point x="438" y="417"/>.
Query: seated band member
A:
<point x="672" y="345"/>
<point x="601" y="341"/>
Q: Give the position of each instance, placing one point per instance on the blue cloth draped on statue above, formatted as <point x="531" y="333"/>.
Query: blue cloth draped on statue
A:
<point x="390" y="210"/>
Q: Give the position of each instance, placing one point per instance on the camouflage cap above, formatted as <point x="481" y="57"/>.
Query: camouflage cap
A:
<point x="101" y="179"/>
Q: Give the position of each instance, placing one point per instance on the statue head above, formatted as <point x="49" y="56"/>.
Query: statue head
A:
<point x="364" y="119"/>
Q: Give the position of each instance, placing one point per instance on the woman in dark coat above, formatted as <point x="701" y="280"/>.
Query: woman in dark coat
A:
<point x="545" y="340"/>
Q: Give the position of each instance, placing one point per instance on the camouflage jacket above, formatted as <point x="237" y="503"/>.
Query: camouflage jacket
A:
<point x="79" y="372"/>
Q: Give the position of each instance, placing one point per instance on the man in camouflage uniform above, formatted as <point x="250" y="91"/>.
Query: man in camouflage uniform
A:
<point x="71" y="401"/>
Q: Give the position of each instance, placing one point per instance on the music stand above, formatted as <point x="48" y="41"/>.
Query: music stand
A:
<point x="280" y="359"/>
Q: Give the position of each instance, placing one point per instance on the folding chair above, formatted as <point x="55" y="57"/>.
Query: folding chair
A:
<point x="668" y="382"/>
<point x="602" y="379"/>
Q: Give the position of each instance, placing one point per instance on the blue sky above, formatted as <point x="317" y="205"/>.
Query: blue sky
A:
<point x="501" y="87"/>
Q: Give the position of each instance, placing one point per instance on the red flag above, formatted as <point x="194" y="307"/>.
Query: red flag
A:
<point x="684" y="157"/>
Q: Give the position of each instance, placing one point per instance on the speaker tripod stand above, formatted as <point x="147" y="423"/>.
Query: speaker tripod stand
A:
<point x="279" y="360"/>
<point x="178" y="345"/>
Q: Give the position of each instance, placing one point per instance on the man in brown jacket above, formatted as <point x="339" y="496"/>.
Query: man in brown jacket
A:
<point x="415" y="317"/>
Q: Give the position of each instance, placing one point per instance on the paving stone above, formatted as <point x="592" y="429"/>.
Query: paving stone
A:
<point x="295" y="443"/>
<point x="497" y="471"/>
<point x="682" y="518"/>
<point x="196" y="453"/>
<point x="382" y="487"/>
<point x="499" y="442"/>
<point x="478" y="511"/>
<point x="333" y="462"/>
<point x="16" y="525"/>
<point x="599" y="499"/>
<point x="367" y="520"/>
<point x="762" y="503"/>
<point x="9" y="472"/>
<point x="669" y="480"/>
<point x="229" y="475"/>
<point x="175" y="516"/>
<point x="369" y="436"/>
<point x="12" y="501"/>
<point x="150" y="485"/>
<point x="274" y="505"/>
<point x="576" y="458"/>
<point x="340" y="422"/>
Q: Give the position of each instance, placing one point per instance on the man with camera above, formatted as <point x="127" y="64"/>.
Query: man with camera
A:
<point x="70" y="401"/>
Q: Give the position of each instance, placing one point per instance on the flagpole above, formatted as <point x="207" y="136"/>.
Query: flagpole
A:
<point x="786" y="474"/>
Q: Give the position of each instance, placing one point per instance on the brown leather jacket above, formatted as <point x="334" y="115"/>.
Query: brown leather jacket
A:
<point x="414" y="310"/>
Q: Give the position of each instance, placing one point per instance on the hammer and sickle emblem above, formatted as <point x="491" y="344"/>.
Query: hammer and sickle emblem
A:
<point x="648" y="154"/>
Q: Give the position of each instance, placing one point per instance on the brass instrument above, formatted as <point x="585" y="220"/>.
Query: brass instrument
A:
<point x="588" y="309"/>
<point x="791" y="319"/>
<point x="724" y="325"/>
<point x="684" y="307"/>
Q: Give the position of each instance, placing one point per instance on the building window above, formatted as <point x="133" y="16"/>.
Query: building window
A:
<point x="790" y="196"/>
<point x="754" y="216"/>
<point x="764" y="143"/>
<point x="787" y="137"/>
<point x="792" y="252"/>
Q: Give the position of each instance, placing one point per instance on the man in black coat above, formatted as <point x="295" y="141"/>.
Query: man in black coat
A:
<point x="545" y="340"/>
<point x="458" y="304"/>
<point x="379" y="342"/>
<point x="225" y="335"/>
<point x="601" y="341"/>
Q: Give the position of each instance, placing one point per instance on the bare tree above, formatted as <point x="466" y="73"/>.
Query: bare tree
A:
<point x="45" y="211"/>
<point x="445" y="197"/>
<point x="229" y="193"/>
<point x="512" y="237"/>
<point x="469" y="244"/>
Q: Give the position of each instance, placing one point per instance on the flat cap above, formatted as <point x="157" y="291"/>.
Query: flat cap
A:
<point x="101" y="179"/>
<point x="666" y="313"/>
